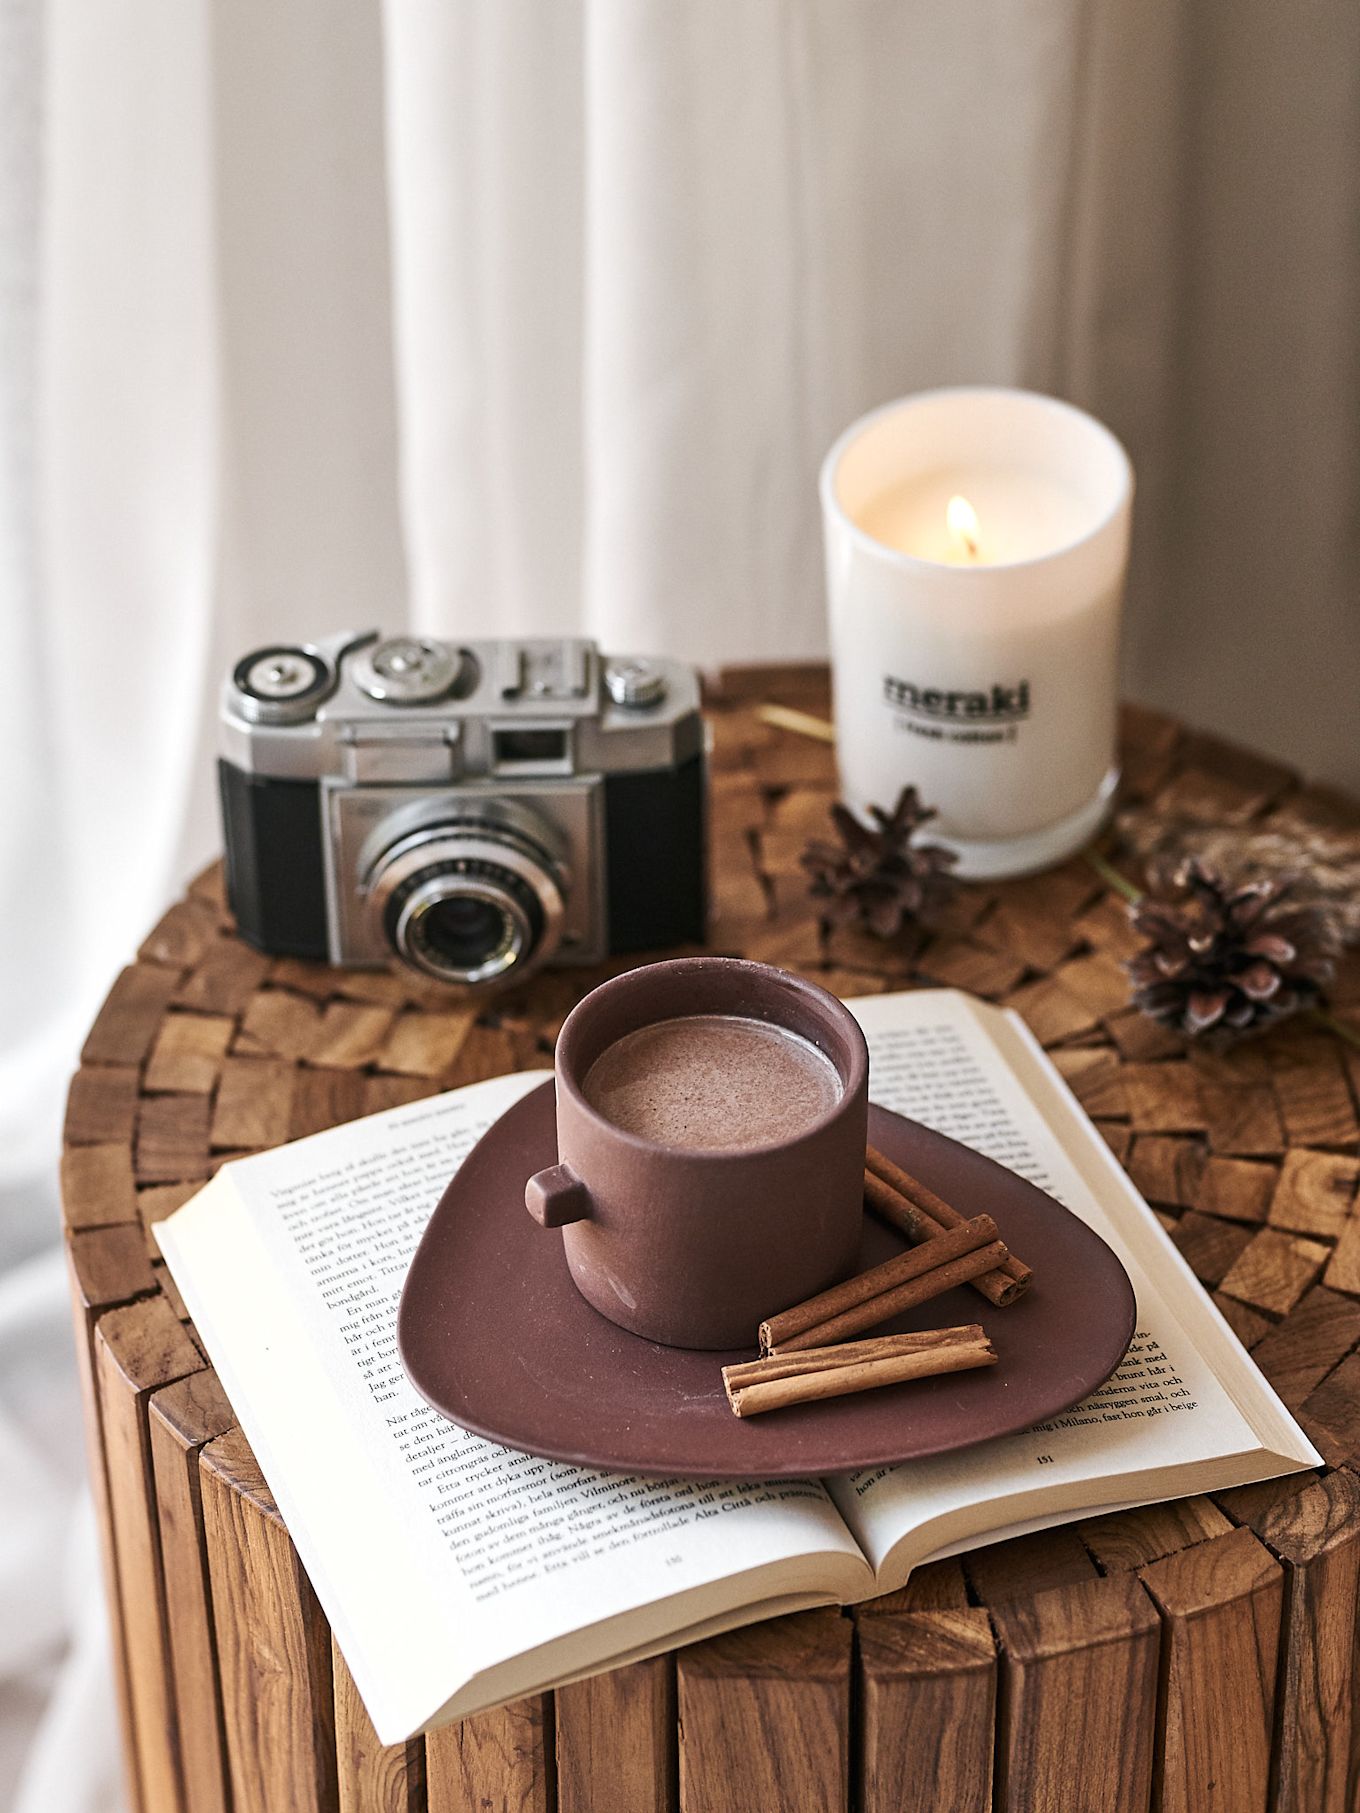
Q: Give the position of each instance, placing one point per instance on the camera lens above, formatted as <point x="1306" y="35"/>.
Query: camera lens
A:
<point x="462" y="928"/>
<point x="464" y="919"/>
<point x="464" y="932"/>
<point x="468" y="902"/>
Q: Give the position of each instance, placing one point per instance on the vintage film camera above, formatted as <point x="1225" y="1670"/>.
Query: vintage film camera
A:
<point x="475" y="811"/>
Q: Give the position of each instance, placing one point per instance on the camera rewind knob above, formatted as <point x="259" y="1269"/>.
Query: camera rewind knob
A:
<point x="281" y="685"/>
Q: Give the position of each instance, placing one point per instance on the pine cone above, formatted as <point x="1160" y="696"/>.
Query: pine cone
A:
<point x="879" y="880"/>
<point x="1225" y="958"/>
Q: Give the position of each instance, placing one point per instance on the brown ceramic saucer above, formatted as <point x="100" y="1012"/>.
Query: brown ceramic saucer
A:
<point x="495" y="1335"/>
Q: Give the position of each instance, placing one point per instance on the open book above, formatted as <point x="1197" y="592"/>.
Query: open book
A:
<point x="457" y="1574"/>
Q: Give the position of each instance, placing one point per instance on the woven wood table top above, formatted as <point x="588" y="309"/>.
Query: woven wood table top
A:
<point x="1209" y="1643"/>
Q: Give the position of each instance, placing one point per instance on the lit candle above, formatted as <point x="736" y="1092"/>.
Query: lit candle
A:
<point x="976" y="544"/>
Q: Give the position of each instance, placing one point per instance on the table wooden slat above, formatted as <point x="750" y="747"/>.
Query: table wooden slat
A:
<point x="371" y="1777"/>
<point x="1220" y="1603"/>
<point x="273" y="1644"/>
<point x="1092" y="1647"/>
<point x="106" y="1267"/>
<point x="1315" y="1534"/>
<point x="138" y="1349"/>
<point x="928" y="1698"/>
<point x="616" y="1740"/>
<point x="764" y="1717"/>
<point x="183" y="1418"/>
<point x="501" y="1759"/>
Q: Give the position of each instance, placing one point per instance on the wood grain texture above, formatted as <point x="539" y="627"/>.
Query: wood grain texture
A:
<point x="1027" y="1565"/>
<point x="939" y="1586"/>
<point x="494" y="1762"/>
<point x="254" y="1105"/>
<point x="616" y="1741"/>
<point x="273" y="1645"/>
<point x="1220" y="1604"/>
<point x="1251" y="1157"/>
<point x="372" y="1778"/>
<point x="183" y="1417"/>
<point x="1238" y="1189"/>
<point x="172" y="1138"/>
<point x="1167" y="1169"/>
<point x="928" y="1702"/>
<point x="1343" y="1266"/>
<point x="101" y="1105"/>
<point x="137" y="1349"/>
<point x="1309" y="1075"/>
<point x="97" y="1185"/>
<point x="181" y="935"/>
<point x="425" y="1044"/>
<point x="1315" y="1192"/>
<point x="1243" y="1120"/>
<point x="1331" y="1414"/>
<point x="1164" y="1098"/>
<point x="1127" y="1540"/>
<point x="1210" y="1247"/>
<point x="351" y="1036"/>
<point x="1248" y="1324"/>
<point x="1275" y="1270"/>
<point x="126" y="1024"/>
<point x="279" y="1023"/>
<point x="1315" y="1534"/>
<point x="188" y="1053"/>
<point x="106" y="1267"/>
<point x="1297" y="1354"/>
<point x="764" y="1717"/>
<point x="224" y="979"/>
<point x="1094" y="1647"/>
<point x="324" y="1098"/>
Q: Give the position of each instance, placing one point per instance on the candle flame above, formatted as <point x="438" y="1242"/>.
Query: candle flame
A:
<point x="962" y="520"/>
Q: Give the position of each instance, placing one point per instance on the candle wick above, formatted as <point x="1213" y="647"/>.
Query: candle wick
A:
<point x="963" y="525"/>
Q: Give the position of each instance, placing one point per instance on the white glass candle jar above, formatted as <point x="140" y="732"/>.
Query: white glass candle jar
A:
<point x="976" y="543"/>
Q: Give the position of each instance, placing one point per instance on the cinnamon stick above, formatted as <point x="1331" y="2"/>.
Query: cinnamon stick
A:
<point x="900" y="1283"/>
<point x="773" y="1384"/>
<point x="912" y="1207"/>
<point x="847" y="1353"/>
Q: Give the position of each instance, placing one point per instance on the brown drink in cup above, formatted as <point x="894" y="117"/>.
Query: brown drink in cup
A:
<point x="711" y="1116"/>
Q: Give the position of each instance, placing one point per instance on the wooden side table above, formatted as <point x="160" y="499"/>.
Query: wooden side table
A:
<point x="1194" y="1655"/>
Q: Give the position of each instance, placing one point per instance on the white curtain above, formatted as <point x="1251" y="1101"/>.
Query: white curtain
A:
<point x="493" y="316"/>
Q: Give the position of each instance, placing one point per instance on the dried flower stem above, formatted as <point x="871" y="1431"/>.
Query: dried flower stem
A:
<point x="802" y="723"/>
<point x="1111" y="876"/>
<point x="1339" y="1027"/>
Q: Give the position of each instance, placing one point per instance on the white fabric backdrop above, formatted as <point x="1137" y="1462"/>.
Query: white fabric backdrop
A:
<point x="543" y="316"/>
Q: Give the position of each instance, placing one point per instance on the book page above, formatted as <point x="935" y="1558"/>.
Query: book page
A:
<point x="1165" y="1423"/>
<point x="438" y="1555"/>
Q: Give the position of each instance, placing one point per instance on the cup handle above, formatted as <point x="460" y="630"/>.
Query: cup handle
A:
<point x="556" y="1196"/>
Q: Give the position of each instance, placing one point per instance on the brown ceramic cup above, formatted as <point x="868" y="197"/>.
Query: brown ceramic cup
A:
<point x="694" y="1247"/>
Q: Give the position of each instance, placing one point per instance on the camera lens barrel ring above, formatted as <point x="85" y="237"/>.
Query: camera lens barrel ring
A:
<point x="466" y="907"/>
<point x="464" y="921"/>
